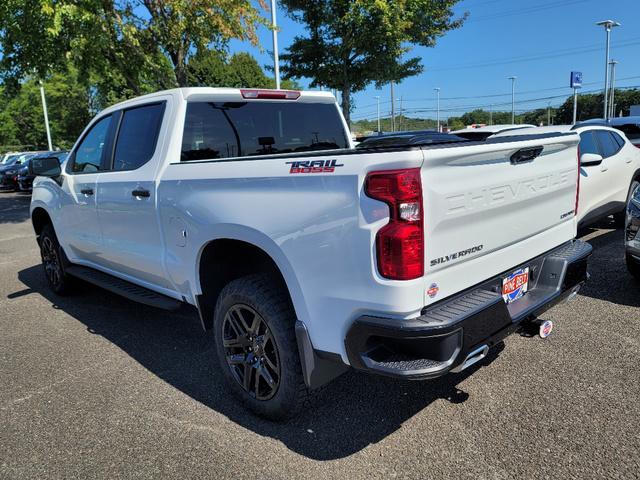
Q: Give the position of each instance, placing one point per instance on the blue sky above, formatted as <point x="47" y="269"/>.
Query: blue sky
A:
<point x="539" y="41"/>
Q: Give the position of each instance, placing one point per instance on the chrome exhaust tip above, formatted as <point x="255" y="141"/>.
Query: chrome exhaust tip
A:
<point x="473" y="357"/>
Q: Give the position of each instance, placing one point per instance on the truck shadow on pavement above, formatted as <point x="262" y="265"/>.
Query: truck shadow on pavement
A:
<point x="610" y="280"/>
<point x="14" y="207"/>
<point x="351" y="413"/>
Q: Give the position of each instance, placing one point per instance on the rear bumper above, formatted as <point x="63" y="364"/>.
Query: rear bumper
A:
<point x="454" y="329"/>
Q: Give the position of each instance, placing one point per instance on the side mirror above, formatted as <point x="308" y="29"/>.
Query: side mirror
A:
<point x="45" y="167"/>
<point x="590" y="159"/>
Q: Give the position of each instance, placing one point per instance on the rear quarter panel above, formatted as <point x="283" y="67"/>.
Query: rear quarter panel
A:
<point x="319" y="229"/>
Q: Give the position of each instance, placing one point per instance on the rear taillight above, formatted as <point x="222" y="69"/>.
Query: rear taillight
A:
<point x="270" y="94"/>
<point x="400" y="243"/>
<point x="578" y="186"/>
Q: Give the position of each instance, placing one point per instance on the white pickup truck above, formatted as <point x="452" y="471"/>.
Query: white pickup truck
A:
<point x="303" y="254"/>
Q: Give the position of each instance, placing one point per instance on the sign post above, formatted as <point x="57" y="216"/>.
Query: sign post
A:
<point x="576" y="83"/>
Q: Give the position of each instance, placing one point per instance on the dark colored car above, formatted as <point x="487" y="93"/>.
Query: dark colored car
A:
<point x="423" y="137"/>
<point x="632" y="233"/>
<point x="24" y="180"/>
<point x="9" y="170"/>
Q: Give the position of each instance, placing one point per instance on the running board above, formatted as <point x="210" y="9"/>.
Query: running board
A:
<point x="123" y="288"/>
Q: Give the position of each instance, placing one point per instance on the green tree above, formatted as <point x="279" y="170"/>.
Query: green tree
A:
<point x="134" y="45"/>
<point x="590" y="105"/>
<point x="352" y="43"/>
<point x="212" y="68"/>
<point x="21" y="117"/>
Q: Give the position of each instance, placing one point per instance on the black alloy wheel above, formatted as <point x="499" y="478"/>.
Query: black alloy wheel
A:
<point x="251" y="352"/>
<point x="51" y="261"/>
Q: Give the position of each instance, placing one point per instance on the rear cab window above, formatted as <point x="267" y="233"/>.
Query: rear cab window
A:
<point x="217" y="130"/>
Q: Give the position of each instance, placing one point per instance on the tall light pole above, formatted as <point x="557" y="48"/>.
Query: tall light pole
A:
<point x="612" y="107"/>
<point x="393" y="109"/>
<point x="513" y="99"/>
<point x="274" y="32"/>
<point x="437" y="90"/>
<point x="377" y="97"/>
<point x="608" y="25"/>
<point x="46" y="115"/>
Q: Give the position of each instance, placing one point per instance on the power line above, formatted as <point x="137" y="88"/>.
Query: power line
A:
<point x="525" y="10"/>
<point x="465" y="108"/>
<point x="495" y="95"/>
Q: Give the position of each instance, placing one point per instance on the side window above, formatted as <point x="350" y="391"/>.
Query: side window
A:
<point x="609" y="146"/>
<point x="88" y="155"/>
<point x="137" y="136"/>
<point x="619" y="140"/>
<point x="588" y="143"/>
<point x="208" y="133"/>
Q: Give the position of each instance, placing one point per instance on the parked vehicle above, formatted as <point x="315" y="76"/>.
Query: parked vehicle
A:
<point x="304" y="255"/>
<point x="425" y="137"/>
<point x="9" y="171"/>
<point x="482" y="133"/>
<point x="632" y="233"/>
<point x="24" y="179"/>
<point x="610" y="169"/>
<point x="630" y="126"/>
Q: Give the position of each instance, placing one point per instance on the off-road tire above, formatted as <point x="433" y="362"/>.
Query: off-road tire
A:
<point x="263" y="295"/>
<point x="54" y="262"/>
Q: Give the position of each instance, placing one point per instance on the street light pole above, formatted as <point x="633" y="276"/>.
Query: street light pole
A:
<point x="46" y="116"/>
<point x="438" y="108"/>
<point x="378" y="103"/>
<point x="513" y="98"/>
<point x="608" y="25"/>
<point x="393" y="109"/>
<point x="612" y="108"/>
<point x="276" y="59"/>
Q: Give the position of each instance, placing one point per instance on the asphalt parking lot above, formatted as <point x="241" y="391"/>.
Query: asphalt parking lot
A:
<point x="95" y="386"/>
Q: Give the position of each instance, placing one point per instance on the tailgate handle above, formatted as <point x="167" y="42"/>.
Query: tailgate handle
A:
<point x="525" y="155"/>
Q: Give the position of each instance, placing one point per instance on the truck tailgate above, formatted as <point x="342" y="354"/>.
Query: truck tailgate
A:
<point x="484" y="204"/>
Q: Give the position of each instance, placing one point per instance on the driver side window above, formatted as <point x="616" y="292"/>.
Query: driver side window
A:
<point x="88" y="155"/>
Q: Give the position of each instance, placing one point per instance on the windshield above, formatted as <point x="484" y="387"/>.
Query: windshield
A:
<point x="238" y="129"/>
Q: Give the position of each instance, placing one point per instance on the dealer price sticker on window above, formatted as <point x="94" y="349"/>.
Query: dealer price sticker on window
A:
<point x="515" y="285"/>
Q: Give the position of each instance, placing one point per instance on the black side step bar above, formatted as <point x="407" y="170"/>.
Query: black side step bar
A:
<point x="123" y="288"/>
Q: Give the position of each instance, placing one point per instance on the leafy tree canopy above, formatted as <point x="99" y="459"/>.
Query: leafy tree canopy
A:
<point x="132" y="45"/>
<point x="352" y="43"/>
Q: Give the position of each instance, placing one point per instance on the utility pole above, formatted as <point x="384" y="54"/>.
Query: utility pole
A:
<point x="377" y="97"/>
<point x="393" y="109"/>
<point x="438" y="107"/>
<point x="612" y="108"/>
<point x="400" y="116"/>
<point x="491" y="114"/>
<point x="608" y="25"/>
<point x="274" y="32"/>
<point x="549" y="113"/>
<point x="46" y="115"/>
<point x="513" y="99"/>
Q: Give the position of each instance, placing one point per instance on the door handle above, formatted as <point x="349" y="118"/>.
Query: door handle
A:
<point x="87" y="191"/>
<point x="141" y="193"/>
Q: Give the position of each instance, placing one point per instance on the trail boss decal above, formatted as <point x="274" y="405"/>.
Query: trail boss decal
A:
<point x="456" y="255"/>
<point x="314" y="166"/>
